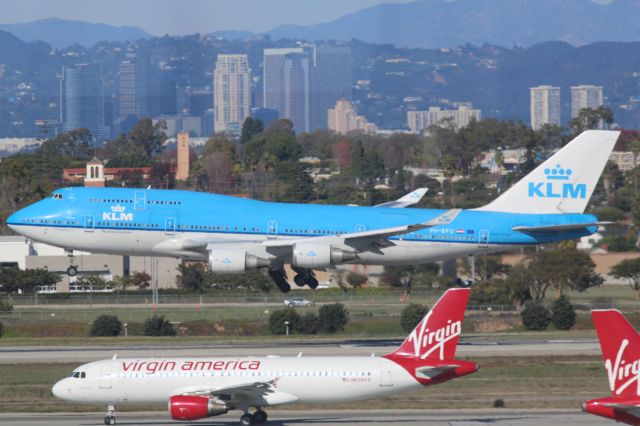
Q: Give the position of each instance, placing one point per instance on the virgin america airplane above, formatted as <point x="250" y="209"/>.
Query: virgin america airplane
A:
<point x="234" y="234"/>
<point x="196" y="388"/>
<point x="620" y="344"/>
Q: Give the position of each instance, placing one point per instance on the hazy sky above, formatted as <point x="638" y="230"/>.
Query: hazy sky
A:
<point x="161" y="17"/>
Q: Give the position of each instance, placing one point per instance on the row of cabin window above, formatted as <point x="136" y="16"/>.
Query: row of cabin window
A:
<point x="109" y="200"/>
<point x="247" y="374"/>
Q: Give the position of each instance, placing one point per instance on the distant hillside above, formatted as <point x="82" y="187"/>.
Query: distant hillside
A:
<point x="233" y="34"/>
<point x="446" y="23"/>
<point x="61" y="33"/>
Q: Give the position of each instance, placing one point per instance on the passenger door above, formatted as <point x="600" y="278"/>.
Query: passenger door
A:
<point x="105" y="381"/>
<point x="272" y="229"/>
<point x="386" y="375"/>
<point x="170" y="226"/>
<point x="483" y="238"/>
<point x="88" y="223"/>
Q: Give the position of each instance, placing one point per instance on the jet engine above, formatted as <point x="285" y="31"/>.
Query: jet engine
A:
<point x="307" y="255"/>
<point x="231" y="261"/>
<point x="193" y="407"/>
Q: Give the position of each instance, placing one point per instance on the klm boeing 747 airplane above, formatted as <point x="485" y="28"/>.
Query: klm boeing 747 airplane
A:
<point x="234" y="234"/>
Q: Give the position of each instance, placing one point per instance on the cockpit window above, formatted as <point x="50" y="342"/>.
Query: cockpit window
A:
<point x="78" y="375"/>
<point x="56" y="196"/>
<point x="82" y="375"/>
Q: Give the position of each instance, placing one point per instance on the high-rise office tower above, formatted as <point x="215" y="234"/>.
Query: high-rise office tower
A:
<point x="134" y="99"/>
<point x="331" y="81"/>
<point x="82" y="100"/>
<point x="585" y="96"/>
<point x="545" y="106"/>
<point x="287" y="85"/>
<point x="232" y="93"/>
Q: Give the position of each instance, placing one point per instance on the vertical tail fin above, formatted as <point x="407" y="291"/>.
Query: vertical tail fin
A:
<point x="564" y="182"/>
<point x="436" y="336"/>
<point x="620" y="346"/>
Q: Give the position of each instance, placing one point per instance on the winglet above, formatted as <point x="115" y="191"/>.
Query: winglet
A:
<point x="406" y="200"/>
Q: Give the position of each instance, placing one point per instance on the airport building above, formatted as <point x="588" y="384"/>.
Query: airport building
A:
<point x="545" y="106"/>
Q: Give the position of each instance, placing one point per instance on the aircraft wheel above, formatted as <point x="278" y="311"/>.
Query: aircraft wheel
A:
<point x="260" y="417"/>
<point x="110" y="420"/>
<point x="246" y="419"/>
<point x="312" y="282"/>
<point x="72" y="271"/>
<point x="299" y="280"/>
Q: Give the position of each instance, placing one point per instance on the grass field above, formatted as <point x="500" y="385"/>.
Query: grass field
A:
<point x="522" y="382"/>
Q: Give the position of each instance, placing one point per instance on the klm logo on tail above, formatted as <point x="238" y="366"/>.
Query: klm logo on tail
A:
<point x="556" y="185"/>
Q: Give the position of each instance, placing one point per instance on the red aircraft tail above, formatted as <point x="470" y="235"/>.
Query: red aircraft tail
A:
<point x="428" y="352"/>
<point x="620" y="345"/>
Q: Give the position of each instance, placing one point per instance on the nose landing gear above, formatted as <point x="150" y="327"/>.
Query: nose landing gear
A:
<point x="110" y="419"/>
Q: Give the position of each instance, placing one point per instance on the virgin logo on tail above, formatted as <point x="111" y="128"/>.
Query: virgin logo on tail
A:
<point x="426" y="341"/>
<point x="621" y="371"/>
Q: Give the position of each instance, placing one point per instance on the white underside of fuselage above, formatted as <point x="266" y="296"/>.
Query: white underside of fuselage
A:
<point x="160" y="243"/>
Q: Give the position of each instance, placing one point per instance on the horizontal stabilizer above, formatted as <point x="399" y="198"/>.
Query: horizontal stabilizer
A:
<point x="433" y="372"/>
<point x="557" y="228"/>
<point x="407" y="200"/>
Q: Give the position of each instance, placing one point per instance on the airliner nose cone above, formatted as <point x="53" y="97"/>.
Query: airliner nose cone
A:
<point x="59" y="390"/>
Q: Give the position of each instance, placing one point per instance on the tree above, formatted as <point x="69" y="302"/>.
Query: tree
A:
<point x="158" y="326"/>
<point x="407" y="276"/>
<point x="563" y="315"/>
<point x="106" y="326"/>
<point x="356" y="280"/>
<point x="497" y="292"/>
<point x="333" y="318"/>
<point x="278" y="318"/>
<point x="309" y="324"/>
<point x="535" y="316"/>
<point x="192" y="277"/>
<point x="91" y="282"/>
<point x="562" y="269"/>
<point x="250" y="128"/>
<point x="411" y="316"/>
<point x="13" y="279"/>
<point x="628" y="269"/>
<point x="141" y="280"/>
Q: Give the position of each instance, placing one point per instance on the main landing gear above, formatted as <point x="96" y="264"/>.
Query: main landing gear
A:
<point x="110" y="419"/>
<point x="257" y="418"/>
<point x="279" y="276"/>
<point x="72" y="270"/>
<point x="305" y="277"/>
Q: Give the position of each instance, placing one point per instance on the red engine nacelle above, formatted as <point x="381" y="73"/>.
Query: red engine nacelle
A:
<point x="191" y="407"/>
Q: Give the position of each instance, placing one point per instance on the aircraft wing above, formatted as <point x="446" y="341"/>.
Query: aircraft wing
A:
<point x="252" y="392"/>
<point x="377" y="237"/>
<point x="407" y="200"/>
<point x="557" y="228"/>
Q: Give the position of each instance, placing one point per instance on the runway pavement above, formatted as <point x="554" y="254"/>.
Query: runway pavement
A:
<point x="466" y="349"/>
<point x="330" y="418"/>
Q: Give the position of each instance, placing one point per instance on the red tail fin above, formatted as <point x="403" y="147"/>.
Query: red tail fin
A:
<point x="436" y="337"/>
<point x="620" y="346"/>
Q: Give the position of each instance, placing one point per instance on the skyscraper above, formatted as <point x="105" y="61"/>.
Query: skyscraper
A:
<point x="545" y="106"/>
<point x="232" y="93"/>
<point x="287" y="85"/>
<point x="585" y="96"/>
<point x="82" y="100"/>
<point x="134" y="99"/>
<point x="331" y="81"/>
